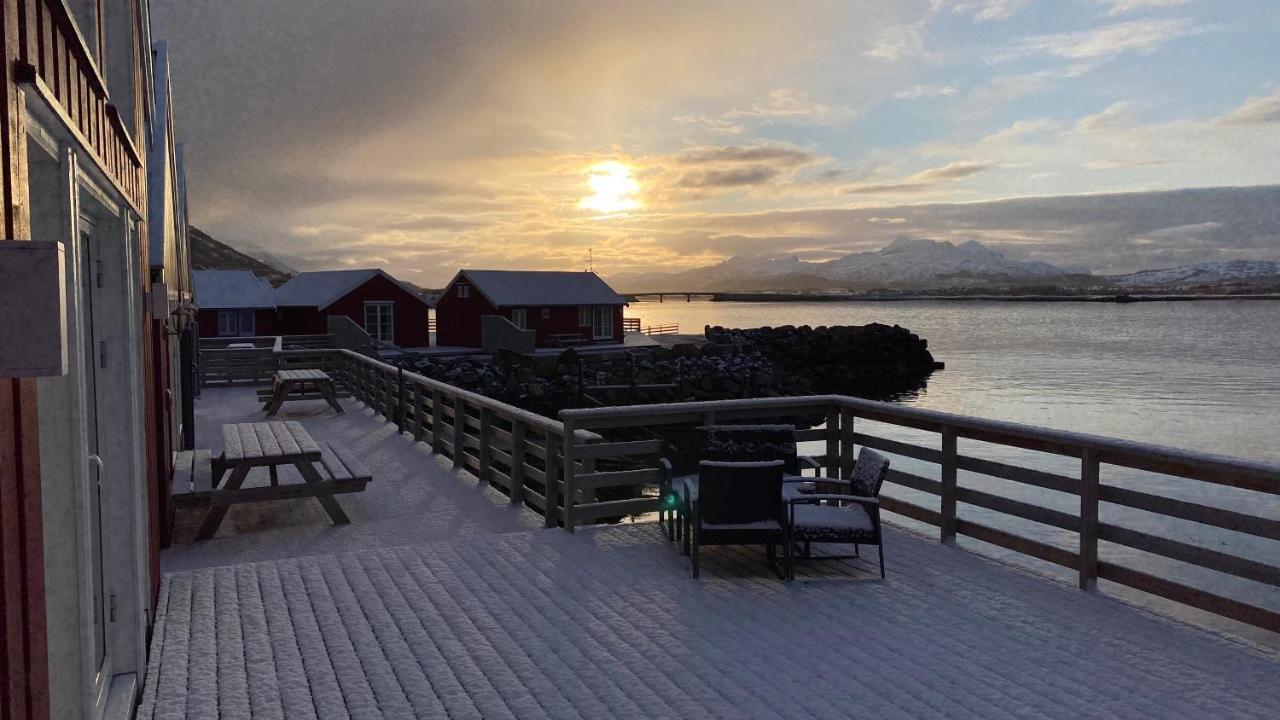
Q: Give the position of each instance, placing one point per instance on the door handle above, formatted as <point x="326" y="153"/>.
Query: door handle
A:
<point x="102" y="469"/>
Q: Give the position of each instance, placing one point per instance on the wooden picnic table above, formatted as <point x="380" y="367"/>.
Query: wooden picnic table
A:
<point x="310" y="384"/>
<point x="327" y="469"/>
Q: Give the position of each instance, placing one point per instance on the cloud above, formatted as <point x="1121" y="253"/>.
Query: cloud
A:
<point x="897" y="42"/>
<point x="925" y="91"/>
<point x="791" y="105"/>
<point x="730" y="178"/>
<point x="1139" y="36"/>
<point x="1257" y="110"/>
<point x="981" y="10"/>
<point x="715" y="124"/>
<point x="783" y="155"/>
<point x="923" y="180"/>
<point x="1125" y="7"/>
<point x="1114" y="115"/>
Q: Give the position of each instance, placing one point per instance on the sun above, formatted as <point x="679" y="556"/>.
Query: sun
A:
<point x="613" y="189"/>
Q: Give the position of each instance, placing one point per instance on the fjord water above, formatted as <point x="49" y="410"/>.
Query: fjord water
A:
<point x="1201" y="375"/>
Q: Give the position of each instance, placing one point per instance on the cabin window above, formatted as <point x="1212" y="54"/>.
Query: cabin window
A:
<point x="235" y="323"/>
<point x="464" y="291"/>
<point x="520" y="318"/>
<point x="584" y="316"/>
<point x="546" y="313"/>
<point x="602" y="322"/>
<point x="379" y="320"/>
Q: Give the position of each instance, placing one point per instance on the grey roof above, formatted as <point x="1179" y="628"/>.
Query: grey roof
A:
<point x="228" y="289"/>
<point x="507" y="288"/>
<point x="322" y="288"/>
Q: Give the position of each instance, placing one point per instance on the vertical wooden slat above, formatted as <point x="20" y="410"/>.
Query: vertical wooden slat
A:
<point x="833" y="442"/>
<point x="459" y="430"/>
<point x="517" y="461"/>
<point x="402" y="420"/>
<point x="949" y="453"/>
<point x="846" y="443"/>
<point x="1089" y="488"/>
<point x="568" y="470"/>
<point x="437" y="421"/>
<point x="551" y="491"/>
<point x="485" y="453"/>
<point x="388" y="396"/>
<point x="418" y="429"/>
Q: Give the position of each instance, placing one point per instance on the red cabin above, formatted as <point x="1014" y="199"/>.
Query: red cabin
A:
<point x="389" y="310"/>
<point x="561" y="307"/>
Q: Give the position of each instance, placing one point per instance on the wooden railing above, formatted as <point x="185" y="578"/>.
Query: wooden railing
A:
<point x="220" y="365"/>
<point x="633" y="325"/>
<point x="509" y="448"/>
<point x="841" y="435"/>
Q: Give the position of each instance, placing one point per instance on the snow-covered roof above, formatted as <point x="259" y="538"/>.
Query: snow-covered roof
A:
<point x="322" y="288"/>
<point x="228" y="289"/>
<point x="508" y="288"/>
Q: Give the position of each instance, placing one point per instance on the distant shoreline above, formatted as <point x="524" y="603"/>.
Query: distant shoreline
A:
<point x="803" y="297"/>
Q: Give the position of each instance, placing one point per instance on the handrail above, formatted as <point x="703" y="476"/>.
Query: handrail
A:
<point x="1093" y="451"/>
<point x="1127" y="453"/>
<point x="541" y="422"/>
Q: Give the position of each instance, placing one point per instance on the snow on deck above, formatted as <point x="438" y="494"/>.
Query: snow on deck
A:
<point x="415" y="496"/>
<point x="608" y="623"/>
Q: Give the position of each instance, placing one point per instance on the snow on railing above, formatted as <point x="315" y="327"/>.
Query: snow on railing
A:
<point x="841" y="437"/>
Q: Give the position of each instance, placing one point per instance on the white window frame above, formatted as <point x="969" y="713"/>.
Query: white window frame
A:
<point x="584" y="316"/>
<point x="602" y="322"/>
<point x="228" y="323"/>
<point x="379" y="324"/>
<point x="464" y="290"/>
<point x="520" y="318"/>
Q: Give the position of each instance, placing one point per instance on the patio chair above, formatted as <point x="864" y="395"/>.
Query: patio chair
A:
<point x="839" y="518"/>
<point x="685" y="447"/>
<point x="737" y="503"/>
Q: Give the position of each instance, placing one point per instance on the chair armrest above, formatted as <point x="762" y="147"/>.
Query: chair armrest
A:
<point x="814" y="498"/>
<point x="807" y="462"/>
<point x="664" y="465"/>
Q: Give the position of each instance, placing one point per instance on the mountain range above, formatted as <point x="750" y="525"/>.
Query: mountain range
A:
<point x="930" y="265"/>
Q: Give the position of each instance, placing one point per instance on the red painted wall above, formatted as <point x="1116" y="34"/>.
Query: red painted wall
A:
<point x="410" y="313"/>
<point x="459" y="320"/>
<point x="264" y="322"/>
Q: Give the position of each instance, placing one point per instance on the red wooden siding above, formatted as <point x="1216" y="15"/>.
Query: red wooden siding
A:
<point x="410" y="314"/>
<point x="458" y="319"/>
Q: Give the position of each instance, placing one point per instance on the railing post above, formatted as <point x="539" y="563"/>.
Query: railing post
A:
<point x="517" y="461"/>
<point x="459" y="430"/>
<point x="569" y="471"/>
<point x="486" y="449"/>
<point x="846" y="443"/>
<point x="418" y="430"/>
<point x="551" y="487"/>
<point x="833" y="443"/>
<point x="437" y="421"/>
<point x="1089" y="481"/>
<point x="948" y="523"/>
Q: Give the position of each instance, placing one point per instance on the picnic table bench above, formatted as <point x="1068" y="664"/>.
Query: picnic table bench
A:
<point x="566" y="339"/>
<point x="307" y="384"/>
<point x="327" y="469"/>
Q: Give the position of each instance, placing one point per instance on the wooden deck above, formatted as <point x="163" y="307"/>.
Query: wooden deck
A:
<point x="608" y="623"/>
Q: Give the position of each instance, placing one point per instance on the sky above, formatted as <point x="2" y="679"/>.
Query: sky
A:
<point x="422" y="137"/>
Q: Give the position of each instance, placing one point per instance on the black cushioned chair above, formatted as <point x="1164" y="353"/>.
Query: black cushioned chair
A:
<point x="738" y="503"/>
<point x="685" y="447"/>
<point x="852" y="517"/>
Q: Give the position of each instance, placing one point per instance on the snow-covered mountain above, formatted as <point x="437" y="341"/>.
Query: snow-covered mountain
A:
<point x="1211" y="273"/>
<point x="934" y="264"/>
<point x="904" y="264"/>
